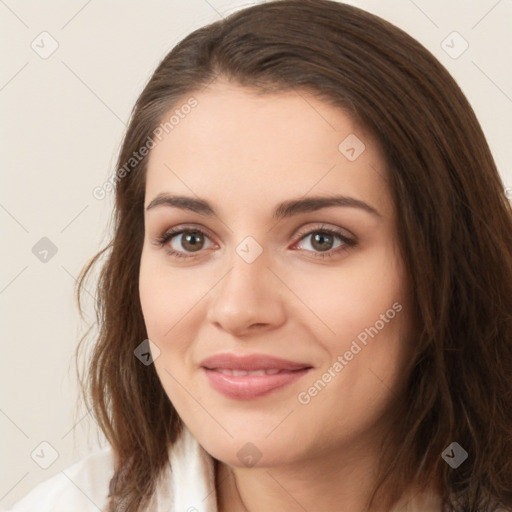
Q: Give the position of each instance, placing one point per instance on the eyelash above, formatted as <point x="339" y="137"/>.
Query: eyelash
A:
<point x="348" y="243"/>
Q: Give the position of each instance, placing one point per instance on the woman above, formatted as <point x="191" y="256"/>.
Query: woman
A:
<point x="306" y="302"/>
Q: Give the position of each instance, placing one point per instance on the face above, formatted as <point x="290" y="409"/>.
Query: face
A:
<point x="281" y="322"/>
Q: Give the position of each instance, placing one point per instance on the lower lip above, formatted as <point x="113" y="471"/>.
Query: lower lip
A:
<point x="249" y="387"/>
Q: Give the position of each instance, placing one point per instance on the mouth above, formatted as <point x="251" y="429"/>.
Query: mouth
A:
<point x="243" y="373"/>
<point x="251" y="377"/>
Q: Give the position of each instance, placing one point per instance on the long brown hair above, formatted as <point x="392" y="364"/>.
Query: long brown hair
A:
<point x="454" y="234"/>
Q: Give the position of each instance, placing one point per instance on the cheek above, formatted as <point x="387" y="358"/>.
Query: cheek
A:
<point x="155" y="300"/>
<point x="166" y="295"/>
<point x="165" y="304"/>
<point x="173" y="306"/>
<point x="346" y="300"/>
<point x="365" y="322"/>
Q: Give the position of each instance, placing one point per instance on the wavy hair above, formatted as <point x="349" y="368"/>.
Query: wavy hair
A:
<point x="454" y="234"/>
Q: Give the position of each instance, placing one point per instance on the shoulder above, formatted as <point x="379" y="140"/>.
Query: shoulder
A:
<point x="82" y="486"/>
<point x="187" y="483"/>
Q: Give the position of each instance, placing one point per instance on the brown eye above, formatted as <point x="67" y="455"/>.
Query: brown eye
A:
<point x="322" y="241"/>
<point x="192" y="240"/>
<point x="181" y="242"/>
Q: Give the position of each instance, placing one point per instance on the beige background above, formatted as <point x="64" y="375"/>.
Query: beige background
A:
<point x="63" y="118"/>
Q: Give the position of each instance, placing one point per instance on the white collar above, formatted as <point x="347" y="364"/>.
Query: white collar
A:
<point x="192" y="476"/>
<point x="192" y="480"/>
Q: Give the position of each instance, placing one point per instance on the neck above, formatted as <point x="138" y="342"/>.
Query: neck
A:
<point x="337" y="482"/>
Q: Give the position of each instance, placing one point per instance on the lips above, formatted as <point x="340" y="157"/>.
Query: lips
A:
<point x="250" y="363"/>
<point x="250" y="377"/>
<point x="243" y="373"/>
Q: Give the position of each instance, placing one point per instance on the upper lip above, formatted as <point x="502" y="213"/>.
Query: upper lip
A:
<point x="250" y="363"/>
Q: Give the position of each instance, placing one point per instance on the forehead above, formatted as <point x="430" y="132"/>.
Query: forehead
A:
<point x="243" y="148"/>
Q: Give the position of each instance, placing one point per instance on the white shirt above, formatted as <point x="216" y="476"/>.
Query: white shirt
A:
<point x="84" y="486"/>
<point x="189" y="487"/>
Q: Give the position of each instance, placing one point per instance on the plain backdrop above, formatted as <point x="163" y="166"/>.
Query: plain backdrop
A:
<point x="70" y="74"/>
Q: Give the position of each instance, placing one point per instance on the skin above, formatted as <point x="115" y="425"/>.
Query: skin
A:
<point x="244" y="154"/>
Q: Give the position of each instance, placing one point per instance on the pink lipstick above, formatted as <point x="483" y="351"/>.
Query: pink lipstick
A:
<point x="250" y="377"/>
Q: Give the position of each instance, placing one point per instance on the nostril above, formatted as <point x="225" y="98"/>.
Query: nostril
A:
<point x="256" y="325"/>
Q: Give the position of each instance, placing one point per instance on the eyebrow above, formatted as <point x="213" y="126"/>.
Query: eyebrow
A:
<point x="283" y="210"/>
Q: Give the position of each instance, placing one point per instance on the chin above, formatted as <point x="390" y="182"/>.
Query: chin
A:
<point x="249" y="447"/>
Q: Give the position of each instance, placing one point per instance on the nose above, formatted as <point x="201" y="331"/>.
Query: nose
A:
<point x="248" y="299"/>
